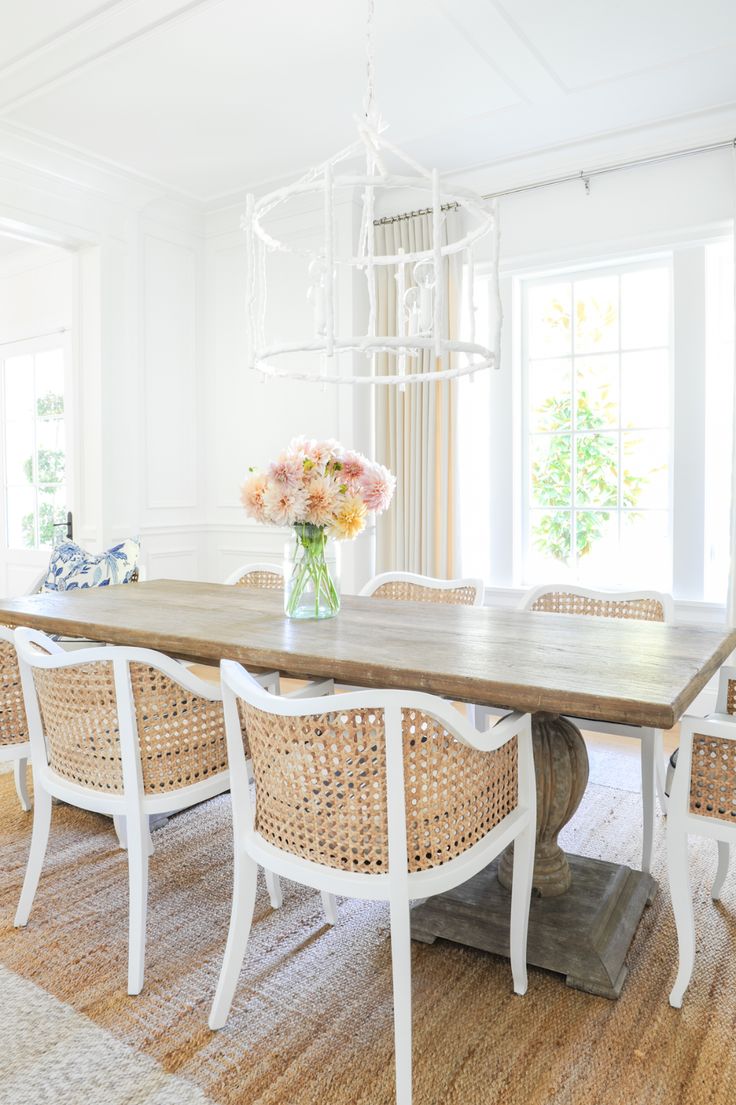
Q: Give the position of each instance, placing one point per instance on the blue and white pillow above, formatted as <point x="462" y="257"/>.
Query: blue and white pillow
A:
<point x="72" y="567"/>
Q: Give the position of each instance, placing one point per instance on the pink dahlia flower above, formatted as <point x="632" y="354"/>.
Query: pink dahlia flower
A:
<point x="377" y="487"/>
<point x="284" y="506"/>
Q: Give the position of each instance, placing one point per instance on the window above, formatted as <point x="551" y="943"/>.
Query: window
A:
<point x="596" y="420"/>
<point x="35" y="446"/>
<point x="600" y="453"/>
<point x="719" y="383"/>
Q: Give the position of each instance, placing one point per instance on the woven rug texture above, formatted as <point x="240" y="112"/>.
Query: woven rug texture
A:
<point x="312" y="1019"/>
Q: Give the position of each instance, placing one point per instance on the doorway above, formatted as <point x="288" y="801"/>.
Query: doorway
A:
<point x="36" y="404"/>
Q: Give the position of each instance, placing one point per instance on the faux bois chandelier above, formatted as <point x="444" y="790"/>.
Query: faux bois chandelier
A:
<point x="370" y="164"/>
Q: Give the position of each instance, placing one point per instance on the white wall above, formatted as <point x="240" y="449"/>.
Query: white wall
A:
<point x="35" y="291"/>
<point x="137" y="318"/>
<point x="250" y="421"/>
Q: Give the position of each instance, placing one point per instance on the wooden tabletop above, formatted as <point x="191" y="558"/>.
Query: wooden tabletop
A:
<point x="641" y="673"/>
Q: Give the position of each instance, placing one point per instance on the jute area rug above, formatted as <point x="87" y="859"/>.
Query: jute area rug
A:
<point x="311" y="1023"/>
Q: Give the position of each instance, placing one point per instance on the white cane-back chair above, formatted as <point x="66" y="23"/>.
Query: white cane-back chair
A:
<point x="650" y="606"/>
<point x="15" y="746"/>
<point x="409" y="587"/>
<point x="379" y="795"/>
<point x="725" y="711"/>
<point x="268" y="576"/>
<point x="121" y="731"/>
<point x="703" y="803"/>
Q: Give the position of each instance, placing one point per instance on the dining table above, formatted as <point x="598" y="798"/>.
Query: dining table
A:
<point x="552" y="666"/>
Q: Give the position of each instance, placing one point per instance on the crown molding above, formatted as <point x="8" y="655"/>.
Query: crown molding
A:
<point x="64" y="164"/>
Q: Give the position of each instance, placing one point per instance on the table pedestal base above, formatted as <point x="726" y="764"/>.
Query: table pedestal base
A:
<point x="583" y="934"/>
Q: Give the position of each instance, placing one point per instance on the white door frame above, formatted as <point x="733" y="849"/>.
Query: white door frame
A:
<point x="36" y="559"/>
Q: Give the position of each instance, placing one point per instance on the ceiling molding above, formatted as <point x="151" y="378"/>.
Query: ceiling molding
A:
<point x="112" y="29"/>
<point x="82" y="169"/>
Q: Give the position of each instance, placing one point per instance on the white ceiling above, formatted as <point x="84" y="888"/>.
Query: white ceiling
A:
<point x="210" y="96"/>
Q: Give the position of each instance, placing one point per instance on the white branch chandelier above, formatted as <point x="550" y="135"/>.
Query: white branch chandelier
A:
<point x="421" y="311"/>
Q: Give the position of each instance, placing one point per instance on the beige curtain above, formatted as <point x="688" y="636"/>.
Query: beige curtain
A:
<point x="731" y="598"/>
<point x="416" y="430"/>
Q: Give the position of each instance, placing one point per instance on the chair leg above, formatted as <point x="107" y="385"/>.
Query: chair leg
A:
<point x="660" y="769"/>
<point x="329" y="905"/>
<point x="724" y="849"/>
<point x="241" y="918"/>
<point x="20" y="772"/>
<point x="121" y="830"/>
<point x="273" y="882"/>
<point x="521" y="891"/>
<point x="137" y="828"/>
<point x="119" y="821"/>
<point x="401" y="971"/>
<point x="682" y="904"/>
<point x="39" y="841"/>
<point x="648" y="745"/>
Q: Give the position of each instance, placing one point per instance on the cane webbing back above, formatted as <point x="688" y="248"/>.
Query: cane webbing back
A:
<point x="713" y="777"/>
<point x="417" y="592"/>
<point x="731" y="697"/>
<point x="13" y="725"/>
<point x="321" y="788"/>
<point x="181" y="736"/>
<point x="260" y="578"/>
<point x="566" y="602"/>
<point x="80" y="723"/>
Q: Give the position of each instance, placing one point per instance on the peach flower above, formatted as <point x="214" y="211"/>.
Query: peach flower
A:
<point x="252" y="496"/>
<point x="349" y="519"/>
<point x="283" y="505"/>
<point x="322" y="501"/>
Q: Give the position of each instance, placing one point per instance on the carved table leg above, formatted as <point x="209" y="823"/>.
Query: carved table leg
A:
<point x="561" y="767"/>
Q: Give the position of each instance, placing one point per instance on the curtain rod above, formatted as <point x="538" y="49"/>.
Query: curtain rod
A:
<point x="32" y="337"/>
<point x="583" y="175"/>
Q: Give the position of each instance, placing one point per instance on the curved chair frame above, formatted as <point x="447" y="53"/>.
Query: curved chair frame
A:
<point x="398" y="885"/>
<point x="133" y="804"/>
<point x="429" y="582"/>
<point x="652" y="745"/>
<point x="18" y="753"/>
<point x="702" y="804"/>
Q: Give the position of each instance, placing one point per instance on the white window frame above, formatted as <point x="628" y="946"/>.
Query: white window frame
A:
<point x="687" y="248"/>
<point x="26" y="347"/>
<point x="524" y="506"/>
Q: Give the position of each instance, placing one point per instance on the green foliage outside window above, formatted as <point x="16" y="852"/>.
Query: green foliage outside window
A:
<point x="50" y="473"/>
<point x="596" y="475"/>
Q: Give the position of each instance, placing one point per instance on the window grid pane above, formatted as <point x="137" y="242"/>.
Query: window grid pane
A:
<point x="35" y="488"/>
<point x="617" y="427"/>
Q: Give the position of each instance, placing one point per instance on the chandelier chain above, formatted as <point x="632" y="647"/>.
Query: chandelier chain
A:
<point x="370" y="61"/>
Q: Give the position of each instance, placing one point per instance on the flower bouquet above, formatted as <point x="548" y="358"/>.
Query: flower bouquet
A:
<point x="325" y="493"/>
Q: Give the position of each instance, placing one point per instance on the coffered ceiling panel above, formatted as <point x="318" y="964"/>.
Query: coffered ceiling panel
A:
<point x="219" y="99"/>
<point x="585" y="43"/>
<point x="27" y="26"/>
<point x="208" y="97"/>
